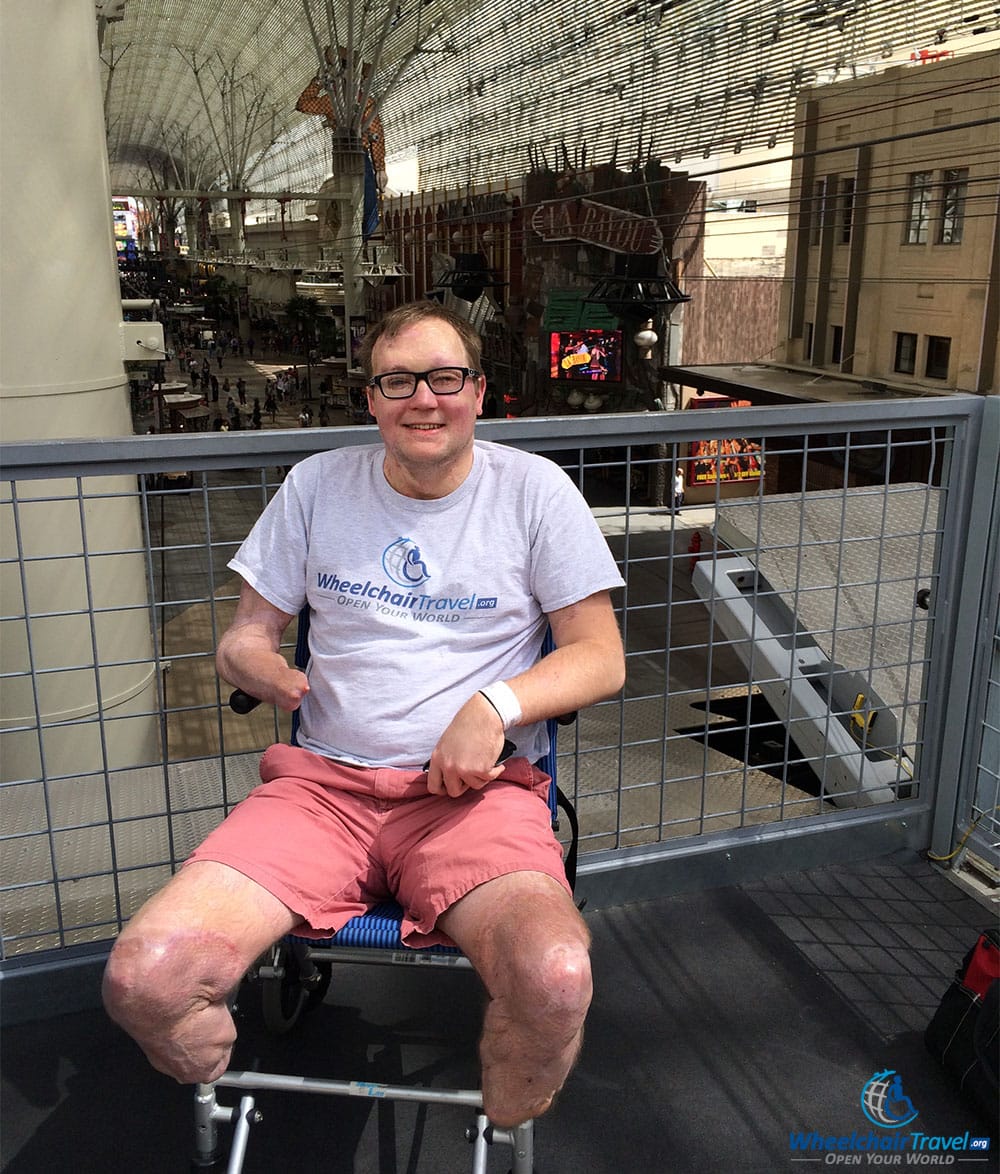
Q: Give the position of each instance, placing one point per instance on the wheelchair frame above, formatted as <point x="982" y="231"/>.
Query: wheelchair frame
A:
<point x="209" y="1114"/>
<point x="292" y="981"/>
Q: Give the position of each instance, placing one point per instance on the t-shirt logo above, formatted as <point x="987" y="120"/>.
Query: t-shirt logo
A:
<point x="402" y="562"/>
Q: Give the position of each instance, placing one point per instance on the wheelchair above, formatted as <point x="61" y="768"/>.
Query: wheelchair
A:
<point x="295" y="975"/>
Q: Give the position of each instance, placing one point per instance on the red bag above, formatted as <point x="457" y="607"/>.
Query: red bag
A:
<point x="981" y="966"/>
<point x="964" y="1031"/>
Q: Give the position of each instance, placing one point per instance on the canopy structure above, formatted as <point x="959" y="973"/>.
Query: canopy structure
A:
<point x="201" y="94"/>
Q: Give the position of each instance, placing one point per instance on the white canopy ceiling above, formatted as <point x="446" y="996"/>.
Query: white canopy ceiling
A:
<point x="202" y="93"/>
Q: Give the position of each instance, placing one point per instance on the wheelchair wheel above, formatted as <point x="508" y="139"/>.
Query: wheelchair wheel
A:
<point x="282" y="996"/>
<point x="285" y="995"/>
<point x="318" y="988"/>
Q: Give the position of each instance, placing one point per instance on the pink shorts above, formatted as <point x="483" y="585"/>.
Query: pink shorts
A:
<point x="331" y="840"/>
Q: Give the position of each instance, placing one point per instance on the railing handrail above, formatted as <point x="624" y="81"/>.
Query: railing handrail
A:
<point x="89" y="457"/>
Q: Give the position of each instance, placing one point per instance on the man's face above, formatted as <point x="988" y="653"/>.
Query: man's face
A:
<point x="428" y="438"/>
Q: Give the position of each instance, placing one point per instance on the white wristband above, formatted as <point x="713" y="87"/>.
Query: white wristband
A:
<point x="504" y="700"/>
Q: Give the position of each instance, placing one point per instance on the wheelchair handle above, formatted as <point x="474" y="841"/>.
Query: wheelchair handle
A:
<point x="242" y="703"/>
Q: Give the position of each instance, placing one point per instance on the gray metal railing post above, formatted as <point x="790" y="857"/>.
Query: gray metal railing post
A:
<point x="977" y="571"/>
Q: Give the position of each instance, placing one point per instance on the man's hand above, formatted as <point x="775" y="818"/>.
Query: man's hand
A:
<point x="588" y="664"/>
<point x="284" y="687"/>
<point x="463" y="760"/>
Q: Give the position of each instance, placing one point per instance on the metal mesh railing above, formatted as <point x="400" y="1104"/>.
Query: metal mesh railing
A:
<point x="984" y="816"/>
<point x="787" y="637"/>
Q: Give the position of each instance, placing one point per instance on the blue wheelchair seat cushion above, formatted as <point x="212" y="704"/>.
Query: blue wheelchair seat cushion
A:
<point x="379" y="928"/>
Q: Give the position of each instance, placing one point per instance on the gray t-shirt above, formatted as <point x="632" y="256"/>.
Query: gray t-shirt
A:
<point x="418" y="604"/>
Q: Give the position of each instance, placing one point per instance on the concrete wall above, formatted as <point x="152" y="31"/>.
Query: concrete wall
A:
<point x="730" y="320"/>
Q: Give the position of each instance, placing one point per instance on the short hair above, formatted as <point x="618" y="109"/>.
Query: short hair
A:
<point x="410" y="313"/>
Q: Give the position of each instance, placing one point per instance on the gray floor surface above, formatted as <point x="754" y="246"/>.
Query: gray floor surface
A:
<point x="725" y="1023"/>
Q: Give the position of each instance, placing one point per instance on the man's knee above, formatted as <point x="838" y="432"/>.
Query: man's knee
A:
<point x="190" y="944"/>
<point x="531" y="948"/>
<point x="551" y="987"/>
<point x="155" y="977"/>
<point x="564" y="979"/>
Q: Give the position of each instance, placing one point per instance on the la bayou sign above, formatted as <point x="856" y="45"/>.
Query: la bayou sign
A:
<point x="597" y="224"/>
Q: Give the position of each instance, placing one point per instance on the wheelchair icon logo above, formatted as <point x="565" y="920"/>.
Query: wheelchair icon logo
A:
<point x="402" y="562"/>
<point x="884" y="1102"/>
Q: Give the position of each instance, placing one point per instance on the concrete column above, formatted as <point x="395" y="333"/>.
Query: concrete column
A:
<point x="349" y="173"/>
<point x="61" y="375"/>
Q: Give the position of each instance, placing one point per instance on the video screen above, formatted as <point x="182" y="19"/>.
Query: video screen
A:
<point x="594" y="355"/>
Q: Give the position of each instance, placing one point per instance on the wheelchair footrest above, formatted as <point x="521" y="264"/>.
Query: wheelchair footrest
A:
<point x="349" y="1088"/>
<point x="209" y="1113"/>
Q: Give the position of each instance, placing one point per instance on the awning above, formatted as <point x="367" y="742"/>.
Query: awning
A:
<point x="566" y="310"/>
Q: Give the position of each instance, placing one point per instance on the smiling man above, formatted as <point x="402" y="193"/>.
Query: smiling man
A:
<point x="432" y="564"/>
<point x="426" y="423"/>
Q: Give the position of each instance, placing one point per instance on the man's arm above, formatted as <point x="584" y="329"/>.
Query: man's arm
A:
<point x="248" y="654"/>
<point x="588" y="664"/>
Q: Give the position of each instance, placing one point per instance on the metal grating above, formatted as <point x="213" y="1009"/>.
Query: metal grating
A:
<point x="101" y="799"/>
<point x="986" y="804"/>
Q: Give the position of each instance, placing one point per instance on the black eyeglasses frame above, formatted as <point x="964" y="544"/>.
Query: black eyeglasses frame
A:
<point x="467" y="373"/>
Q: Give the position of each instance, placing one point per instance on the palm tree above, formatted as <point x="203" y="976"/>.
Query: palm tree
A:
<point x="221" y="297"/>
<point x="305" y="314"/>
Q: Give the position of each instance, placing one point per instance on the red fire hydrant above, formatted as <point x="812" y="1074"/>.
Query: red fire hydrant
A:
<point x="694" y="549"/>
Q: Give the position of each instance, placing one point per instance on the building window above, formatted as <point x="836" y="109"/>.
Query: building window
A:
<point x="846" y="210"/>
<point x="918" y="207"/>
<point x="818" y="210"/>
<point x="938" y="354"/>
<point x="954" y="188"/>
<point x="906" y="353"/>
<point x="836" y="344"/>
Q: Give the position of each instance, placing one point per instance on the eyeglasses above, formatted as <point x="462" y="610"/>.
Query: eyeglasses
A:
<point x="441" y="380"/>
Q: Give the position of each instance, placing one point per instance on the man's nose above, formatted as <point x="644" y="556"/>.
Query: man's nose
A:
<point x="423" y="390"/>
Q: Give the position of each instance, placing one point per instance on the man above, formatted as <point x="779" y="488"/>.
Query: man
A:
<point x="432" y="564"/>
